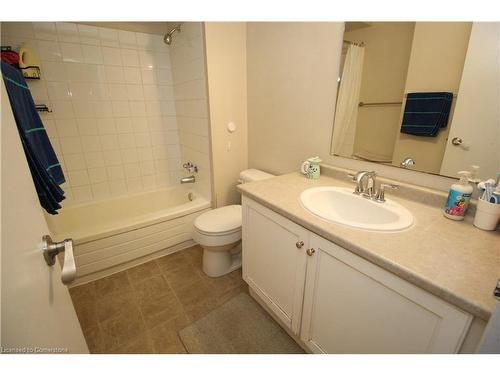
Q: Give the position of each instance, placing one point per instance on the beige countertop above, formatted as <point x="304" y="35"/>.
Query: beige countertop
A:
<point x="452" y="259"/>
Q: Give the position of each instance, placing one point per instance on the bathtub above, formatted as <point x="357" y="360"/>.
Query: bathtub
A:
<point x="117" y="233"/>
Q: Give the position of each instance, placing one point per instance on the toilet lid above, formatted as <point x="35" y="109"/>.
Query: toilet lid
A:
<point x="222" y="219"/>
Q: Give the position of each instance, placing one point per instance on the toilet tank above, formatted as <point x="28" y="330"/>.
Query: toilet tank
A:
<point x="249" y="175"/>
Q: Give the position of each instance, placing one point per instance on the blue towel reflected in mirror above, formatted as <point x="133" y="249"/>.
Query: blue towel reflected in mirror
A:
<point x="426" y="112"/>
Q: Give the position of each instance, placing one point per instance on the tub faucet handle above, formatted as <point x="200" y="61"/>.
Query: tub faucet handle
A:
<point x="191" y="168"/>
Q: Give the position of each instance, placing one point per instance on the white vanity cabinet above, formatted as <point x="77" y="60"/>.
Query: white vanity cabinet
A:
<point x="274" y="264"/>
<point x="336" y="301"/>
<point x="354" y="306"/>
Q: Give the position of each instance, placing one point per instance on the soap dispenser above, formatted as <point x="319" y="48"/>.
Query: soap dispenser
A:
<point x="459" y="197"/>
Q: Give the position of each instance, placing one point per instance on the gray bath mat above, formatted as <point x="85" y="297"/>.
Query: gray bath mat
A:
<point x="240" y="326"/>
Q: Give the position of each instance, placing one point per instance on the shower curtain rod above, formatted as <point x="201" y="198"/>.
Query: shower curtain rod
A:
<point x="354" y="43"/>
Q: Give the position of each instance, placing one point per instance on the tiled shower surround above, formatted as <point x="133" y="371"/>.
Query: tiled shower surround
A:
<point x="127" y="110"/>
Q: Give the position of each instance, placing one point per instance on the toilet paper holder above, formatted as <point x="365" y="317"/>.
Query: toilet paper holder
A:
<point x="51" y="249"/>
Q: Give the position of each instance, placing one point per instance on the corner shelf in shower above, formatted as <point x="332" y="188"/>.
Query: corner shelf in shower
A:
<point x="42" y="108"/>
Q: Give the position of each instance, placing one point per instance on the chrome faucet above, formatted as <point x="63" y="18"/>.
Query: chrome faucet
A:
<point x="366" y="190"/>
<point x="188" y="180"/>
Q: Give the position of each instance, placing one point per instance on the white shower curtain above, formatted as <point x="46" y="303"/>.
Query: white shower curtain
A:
<point x="346" y="113"/>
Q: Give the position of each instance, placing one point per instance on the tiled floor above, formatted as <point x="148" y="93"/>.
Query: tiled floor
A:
<point x="142" y="309"/>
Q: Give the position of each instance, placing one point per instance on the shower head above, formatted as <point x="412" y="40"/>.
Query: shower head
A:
<point x="168" y="36"/>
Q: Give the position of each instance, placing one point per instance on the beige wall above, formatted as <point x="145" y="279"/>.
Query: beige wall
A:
<point x="387" y="53"/>
<point x="227" y="90"/>
<point x="436" y="64"/>
<point x="292" y="85"/>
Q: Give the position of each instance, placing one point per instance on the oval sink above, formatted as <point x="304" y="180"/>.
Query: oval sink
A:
<point x="340" y="205"/>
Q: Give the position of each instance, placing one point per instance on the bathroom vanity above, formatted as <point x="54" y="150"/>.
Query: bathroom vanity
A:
<point x="337" y="289"/>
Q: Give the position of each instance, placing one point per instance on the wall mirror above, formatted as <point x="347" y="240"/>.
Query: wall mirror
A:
<point x="425" y="91"/>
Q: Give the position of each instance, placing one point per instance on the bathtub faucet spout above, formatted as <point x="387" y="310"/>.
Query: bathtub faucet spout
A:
<point x="187" y="180"/>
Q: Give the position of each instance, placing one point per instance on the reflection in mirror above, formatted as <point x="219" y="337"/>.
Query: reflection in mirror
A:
<point x="399" y="95"/>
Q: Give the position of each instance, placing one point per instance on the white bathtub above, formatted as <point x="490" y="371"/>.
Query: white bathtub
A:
<point x="115" y="234"/>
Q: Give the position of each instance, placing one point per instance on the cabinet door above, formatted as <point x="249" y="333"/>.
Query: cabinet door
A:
<point x="274" y="261"/>
<point x="353" y="306"/>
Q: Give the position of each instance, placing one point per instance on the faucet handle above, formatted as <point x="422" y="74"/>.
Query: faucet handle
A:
<point x="380" y="196"/>
<point x="354" y="178"/>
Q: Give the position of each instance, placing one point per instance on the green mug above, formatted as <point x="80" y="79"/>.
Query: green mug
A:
<point x="310" y="168"/>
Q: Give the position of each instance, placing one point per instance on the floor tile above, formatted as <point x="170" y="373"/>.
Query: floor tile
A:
<point x="154" y="287"/>
<point x="183" y="276"/>
<point x="161" y="309"/>
<point x="143" y="272"/>
<point x="114" y="304"/>
<point x="194" y="255"/>
<point x="142" y="309"/>
<point x="117" y="282"/>
<point x="142" y="344"/>
<point x="173" y="261"/>
<point x="94" y="340"/>
<point x="121" y="329"/>
<point x="87" y="315"/>
<point x="165" y="337"/>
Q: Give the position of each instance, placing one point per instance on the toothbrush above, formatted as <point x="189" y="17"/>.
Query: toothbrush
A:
<point x="488" y="190"/>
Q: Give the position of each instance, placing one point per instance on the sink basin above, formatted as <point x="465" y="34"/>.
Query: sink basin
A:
<point x="340" y="205"/>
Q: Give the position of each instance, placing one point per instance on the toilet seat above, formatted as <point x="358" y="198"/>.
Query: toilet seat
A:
<point x="218" y="227"/>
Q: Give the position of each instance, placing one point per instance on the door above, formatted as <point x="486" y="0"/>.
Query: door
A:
<point x="353" y="306"/>
<point x="274" y="261"/>
<point x="477" y="103"/>
<point x="36" y="310"/>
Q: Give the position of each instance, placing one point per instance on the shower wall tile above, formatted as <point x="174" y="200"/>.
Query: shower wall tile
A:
<point x="113" y="123"/>
<point x="190" y="93"/>
<point x="89" y="34"/>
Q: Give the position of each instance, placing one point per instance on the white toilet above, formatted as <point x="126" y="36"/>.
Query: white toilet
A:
<point x="218" y="232"/>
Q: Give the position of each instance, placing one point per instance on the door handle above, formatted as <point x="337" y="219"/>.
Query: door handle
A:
<point x="51" y="249"/>
<point x="457" y="141"/>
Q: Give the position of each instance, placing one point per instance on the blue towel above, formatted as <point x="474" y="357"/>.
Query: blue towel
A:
<point x="42" y="160"/>
<point x="426" y="113"/>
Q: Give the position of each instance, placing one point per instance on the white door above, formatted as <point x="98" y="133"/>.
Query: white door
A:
<point x="353" y="306"/>
<point x="36" y="310"/>
<point x="477" y="107"/>
<point x="274" y="261"/>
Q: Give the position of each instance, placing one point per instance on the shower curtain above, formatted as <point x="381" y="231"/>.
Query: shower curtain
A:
<point x="346" y="113"/>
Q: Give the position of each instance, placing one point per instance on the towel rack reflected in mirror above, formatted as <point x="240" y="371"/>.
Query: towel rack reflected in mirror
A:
<point x="363" y="104"/>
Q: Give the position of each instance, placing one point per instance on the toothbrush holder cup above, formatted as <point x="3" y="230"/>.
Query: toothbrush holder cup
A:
<point x="487" y="215"/>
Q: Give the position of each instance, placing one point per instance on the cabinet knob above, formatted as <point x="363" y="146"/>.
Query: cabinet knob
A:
<point x="310" y="252"/>
<point x="299" y="244"/>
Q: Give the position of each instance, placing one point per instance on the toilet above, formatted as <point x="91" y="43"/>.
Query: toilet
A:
<point x="218" y="232"/>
